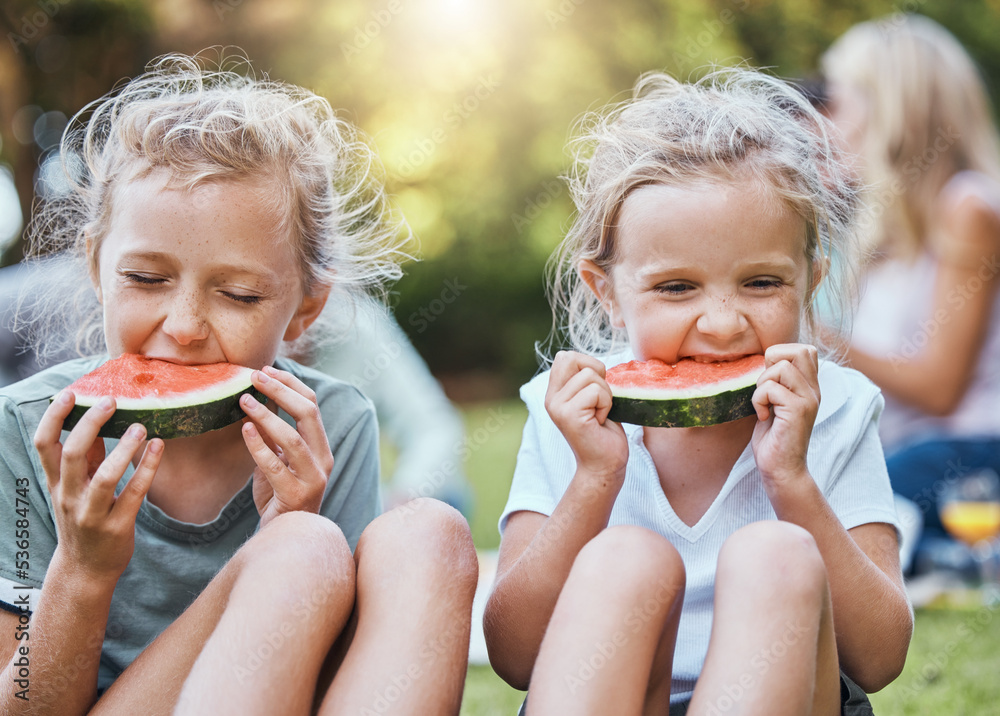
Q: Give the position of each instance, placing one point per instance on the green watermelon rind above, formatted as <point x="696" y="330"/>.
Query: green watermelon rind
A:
<point x="698" y="412"/>
<point x="169" y="423"/>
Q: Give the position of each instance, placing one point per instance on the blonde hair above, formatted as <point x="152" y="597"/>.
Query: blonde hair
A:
<point x="734" y="125"/>
<point x="205" y="121"/>
<point x="928" y="117"/>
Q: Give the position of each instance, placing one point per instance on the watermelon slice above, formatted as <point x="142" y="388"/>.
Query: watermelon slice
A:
<point x="686" y="394"/>
<point x="170" y="400"/>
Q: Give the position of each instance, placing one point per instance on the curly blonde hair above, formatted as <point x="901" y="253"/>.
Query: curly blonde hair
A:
<point x="202" y="121"/>
<point x="734" y="125"/>
<point x="928" y="117"/>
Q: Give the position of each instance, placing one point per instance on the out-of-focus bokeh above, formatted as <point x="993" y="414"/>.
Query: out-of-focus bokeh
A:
<point x="469" y="102"/>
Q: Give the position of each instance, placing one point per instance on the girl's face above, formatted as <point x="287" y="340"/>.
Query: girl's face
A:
<point x="710" y="272"/>
<point x="200" y="276"/>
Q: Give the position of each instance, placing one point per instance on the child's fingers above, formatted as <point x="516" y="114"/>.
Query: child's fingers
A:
<point x="574" y="377"/>
<point x="101" y="489"/>
<point x="78" y="449"/>
<point x="587" y="390"/>
<point x="586" y="376"/>
<point x="567" y="364"/>
<point x="788" y="375"/>
<point x="286" y="378"/>
<point x="761" y="400"/>
<point x="132" y="495"/>
<point x="283" y="482"/>
<point x="299" y="401"/>
<point x="772" y="394"/>
<point x="803" y="356"/>
<point x="49" y="431"/>
<point x="278" y="433"/>
<point x="591" y="397"/>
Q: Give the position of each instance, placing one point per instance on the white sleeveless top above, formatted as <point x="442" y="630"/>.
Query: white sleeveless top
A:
<point x="896" y="319"/>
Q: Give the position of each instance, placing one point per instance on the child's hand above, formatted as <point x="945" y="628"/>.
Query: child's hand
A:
<point x="293" y="464"/>
<point x="786" y="400"/>
<point x="578" y="400"/>
<point x="96" y="530"/>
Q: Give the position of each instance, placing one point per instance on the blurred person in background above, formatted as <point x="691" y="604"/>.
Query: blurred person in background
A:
<point x="414" y="414"/>
<point x="910" y="103"/>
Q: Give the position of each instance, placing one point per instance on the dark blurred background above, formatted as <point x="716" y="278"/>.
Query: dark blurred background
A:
<point x="469" y="102"/>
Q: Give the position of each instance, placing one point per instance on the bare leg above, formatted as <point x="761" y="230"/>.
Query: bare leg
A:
<point x="609" y="645"/>
<point x="773" y="650"/>
<point x="253" y="641"/>
<point x="417" y="574"/>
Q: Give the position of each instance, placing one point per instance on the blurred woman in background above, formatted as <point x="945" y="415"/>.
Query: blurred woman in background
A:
<point x="912" y="106"/>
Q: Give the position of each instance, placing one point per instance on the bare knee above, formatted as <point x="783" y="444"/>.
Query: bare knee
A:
<point x="633" y="562"/>
<point x="427" y="535"/>
<point x="305" y="548"/>
<point x="779" y="552"/>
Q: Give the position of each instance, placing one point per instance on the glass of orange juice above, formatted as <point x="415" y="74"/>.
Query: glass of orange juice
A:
<point x="970" y="511"/>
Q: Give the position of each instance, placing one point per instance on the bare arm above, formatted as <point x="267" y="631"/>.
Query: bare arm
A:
<point x="536" y="555"/>
<point x="871" y="611"/>
<point x="54" y="669"/>
<point x="537" y="552"/>
<point x="964" y="291"/>
<point x="96" y="533"/>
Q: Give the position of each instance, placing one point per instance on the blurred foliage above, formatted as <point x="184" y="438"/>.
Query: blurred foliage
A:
<point x="469" y="102"/>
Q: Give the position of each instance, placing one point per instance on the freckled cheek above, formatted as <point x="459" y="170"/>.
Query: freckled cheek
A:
<point x="781" y="320"/>
<point x="248" y="341"/>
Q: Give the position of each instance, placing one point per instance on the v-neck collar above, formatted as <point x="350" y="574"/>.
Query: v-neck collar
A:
<point x="744" y="466"/>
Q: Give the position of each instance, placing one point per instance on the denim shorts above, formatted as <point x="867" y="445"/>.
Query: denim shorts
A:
<point x="853" y="701"/>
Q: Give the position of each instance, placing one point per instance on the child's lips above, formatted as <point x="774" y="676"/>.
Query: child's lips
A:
<point x="177" y="361"/>
<point x="718" y="358"/>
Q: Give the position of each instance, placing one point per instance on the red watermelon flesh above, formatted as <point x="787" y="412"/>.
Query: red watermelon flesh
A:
<point x="688" y="393"/>
<point x="171" y="400"/>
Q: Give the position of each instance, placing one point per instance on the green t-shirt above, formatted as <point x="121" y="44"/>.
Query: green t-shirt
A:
<point x="173" y="561"/>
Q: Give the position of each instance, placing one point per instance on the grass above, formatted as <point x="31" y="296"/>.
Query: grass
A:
<point x="953" y="666"/>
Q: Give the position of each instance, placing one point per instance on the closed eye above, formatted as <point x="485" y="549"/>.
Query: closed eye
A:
<point x="241" y="298"/>
<point x="142" y="278"/>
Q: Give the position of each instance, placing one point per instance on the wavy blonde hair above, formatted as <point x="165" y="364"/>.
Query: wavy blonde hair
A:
<point x="207" y="120"/>
<point x="734" y="125"/>
<point x="928" y="117"/>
